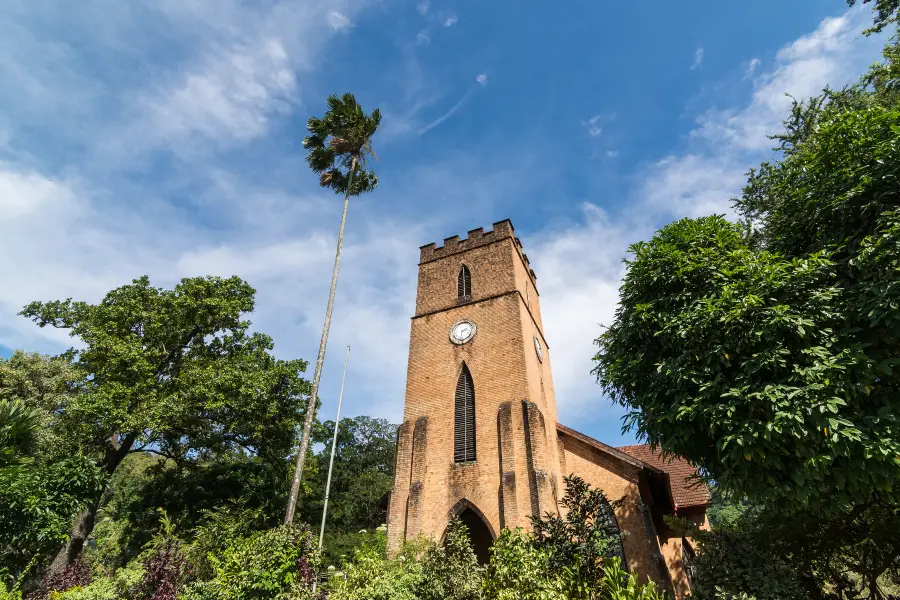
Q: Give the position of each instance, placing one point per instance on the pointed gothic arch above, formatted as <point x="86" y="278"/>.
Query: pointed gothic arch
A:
<point x="481" y="534"/>
<point x="464" y="418"/>
<point x="464" y="283"/>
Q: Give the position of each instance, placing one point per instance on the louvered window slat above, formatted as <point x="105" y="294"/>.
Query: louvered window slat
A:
<point x="464" y="283"/>
<point x="464" y="418"/>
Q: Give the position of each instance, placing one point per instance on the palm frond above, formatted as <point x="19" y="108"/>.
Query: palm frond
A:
<point x="340" y="142"/>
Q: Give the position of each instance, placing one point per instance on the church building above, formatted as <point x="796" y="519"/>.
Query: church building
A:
<point x="480" y="437"/>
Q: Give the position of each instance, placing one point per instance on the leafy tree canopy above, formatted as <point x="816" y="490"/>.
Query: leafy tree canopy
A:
<point x="362" y="475"/>
<point x="173" y="372"/>
<point x="767" y="354"/>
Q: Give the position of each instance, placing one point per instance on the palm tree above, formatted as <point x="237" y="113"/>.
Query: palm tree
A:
<point x="339" y="146"/>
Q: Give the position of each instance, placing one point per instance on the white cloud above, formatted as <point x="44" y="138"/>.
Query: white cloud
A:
<point x="692" y="185"/>
<point x="751" y="67"/>
<point x="422" y="7"/>
<point x="579" y="269"/>
<point x="612" y="153"/>
<point x="834" y="54"/>
<point x="227" y="98"/>
<point x="422" y="38"/>
<point x="450" y="21"/>
<point x="482" y="79"/>
<point x="338" y="21"/>
<point x="593" y="125"/>
<point x="698" y="58"/>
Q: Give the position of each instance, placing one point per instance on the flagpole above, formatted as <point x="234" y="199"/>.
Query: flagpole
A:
<point x="337" y="421"/>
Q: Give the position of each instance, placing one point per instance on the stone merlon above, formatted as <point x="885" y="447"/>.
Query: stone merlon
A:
<point x="475" y="238"/>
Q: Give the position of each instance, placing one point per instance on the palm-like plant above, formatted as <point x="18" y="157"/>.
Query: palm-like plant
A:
<point x="18" y="432"/>
<point x="339" y="149"/>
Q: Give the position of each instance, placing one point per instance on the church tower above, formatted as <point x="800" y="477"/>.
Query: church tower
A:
<point x="479" y="434"/>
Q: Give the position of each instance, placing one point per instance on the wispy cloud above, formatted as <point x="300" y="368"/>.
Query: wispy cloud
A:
<point x="450" y="20"/>
<point x="422" y="7"/>
<point x="422" y="38"/>
<point x="593" y="126"/>
<point x="481" y="79"/>
<point x="751" y="68"/>
<point x="338" y="21"/>
<point x="698" y="58"/>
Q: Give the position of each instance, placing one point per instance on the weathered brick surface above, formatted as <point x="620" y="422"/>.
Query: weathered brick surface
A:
<point x="400" y="490"/>
<point x="619" y="482"/>
<point x="520" y="456"/>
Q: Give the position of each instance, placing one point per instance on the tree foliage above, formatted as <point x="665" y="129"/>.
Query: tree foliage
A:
<point x="584" y="537"/>
<point x="361" y="478"/>
<point x="340" y="144"/>
<point x="173" y="372"/>
<point x="768" y="359"/>
<point x="885" y="13"/>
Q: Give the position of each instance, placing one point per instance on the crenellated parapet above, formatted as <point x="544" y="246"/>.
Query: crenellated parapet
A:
<point x="476" y="238"/>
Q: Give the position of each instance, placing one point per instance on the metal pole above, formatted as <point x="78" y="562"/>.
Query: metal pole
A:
<point x="337" y="422"/>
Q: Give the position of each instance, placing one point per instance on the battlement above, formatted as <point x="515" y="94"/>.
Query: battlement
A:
<point x="475" y="239"/>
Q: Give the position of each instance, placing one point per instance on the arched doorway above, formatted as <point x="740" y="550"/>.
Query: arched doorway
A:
<point x="480" y="534"/>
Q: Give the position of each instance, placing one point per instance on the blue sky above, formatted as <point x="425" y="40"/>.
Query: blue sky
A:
<point x="163" y="138"/>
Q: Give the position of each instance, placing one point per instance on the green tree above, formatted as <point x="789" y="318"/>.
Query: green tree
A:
<point x="41" y="384"/>
<point x="766" y="354"/>
<point x="362" y="476"/>
<point x="339" y="147"/>
<point x="582" y="540"/>
<point x="42" y="486"/>
<point x="172" y="372"/>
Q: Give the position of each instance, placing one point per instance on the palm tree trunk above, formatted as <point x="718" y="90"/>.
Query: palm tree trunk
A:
<point x="311" y="407"/>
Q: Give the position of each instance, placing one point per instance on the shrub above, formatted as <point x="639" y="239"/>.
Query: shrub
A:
<point x="519" y="570"/>
<point x="278" y="563"/>
<point x="582" y="540"/>
<point x="124" y="583"/>
<point x="75" y="575"/>
<point x="369" y="575"/>
<point x="450" y="570"/>
<point x="618" y="584"/>
<point x="739" y="558"/>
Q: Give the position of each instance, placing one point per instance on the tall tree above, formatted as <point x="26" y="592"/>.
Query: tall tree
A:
<point x="362" y="476"/>
<point x="339" y="148"/>
<point x="768" y="356"/>
<point x="175" y="373"/>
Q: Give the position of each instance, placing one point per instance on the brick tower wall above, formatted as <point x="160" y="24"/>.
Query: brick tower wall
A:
<point x="516" y="472"/>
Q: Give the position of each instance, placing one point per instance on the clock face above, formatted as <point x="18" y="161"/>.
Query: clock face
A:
<point x="462" y="332"/>
<point x="538" y="349"/>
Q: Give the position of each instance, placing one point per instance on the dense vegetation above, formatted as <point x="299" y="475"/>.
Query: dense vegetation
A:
<point x="767" y="352"/>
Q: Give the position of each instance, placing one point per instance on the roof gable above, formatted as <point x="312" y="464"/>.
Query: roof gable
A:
<point x="687" y="491"/>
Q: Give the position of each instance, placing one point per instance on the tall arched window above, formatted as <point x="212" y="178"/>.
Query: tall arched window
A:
<point x="464" y="418"/>
<point x="464" y="283"/>
<point x="612" y="527"/>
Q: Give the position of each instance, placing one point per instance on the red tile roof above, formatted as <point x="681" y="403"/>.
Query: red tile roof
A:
<point x="686" y="490"/>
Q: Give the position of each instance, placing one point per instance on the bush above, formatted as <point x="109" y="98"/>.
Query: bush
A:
<point x="39" y="502"/>
<point x="75" y="575"/>
<point x="739" y="559"/>
<point x="450" y="570"/>
<point x="581" y="541"/>
<point x="519" y="570"/>
<point x="369" y="575"/>
<point x="278" y="563"/>
<point x="124" y="583"/>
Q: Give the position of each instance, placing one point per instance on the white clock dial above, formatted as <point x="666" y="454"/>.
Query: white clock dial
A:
<point x="462" y="332"/>
<point x="538" y="349"/>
